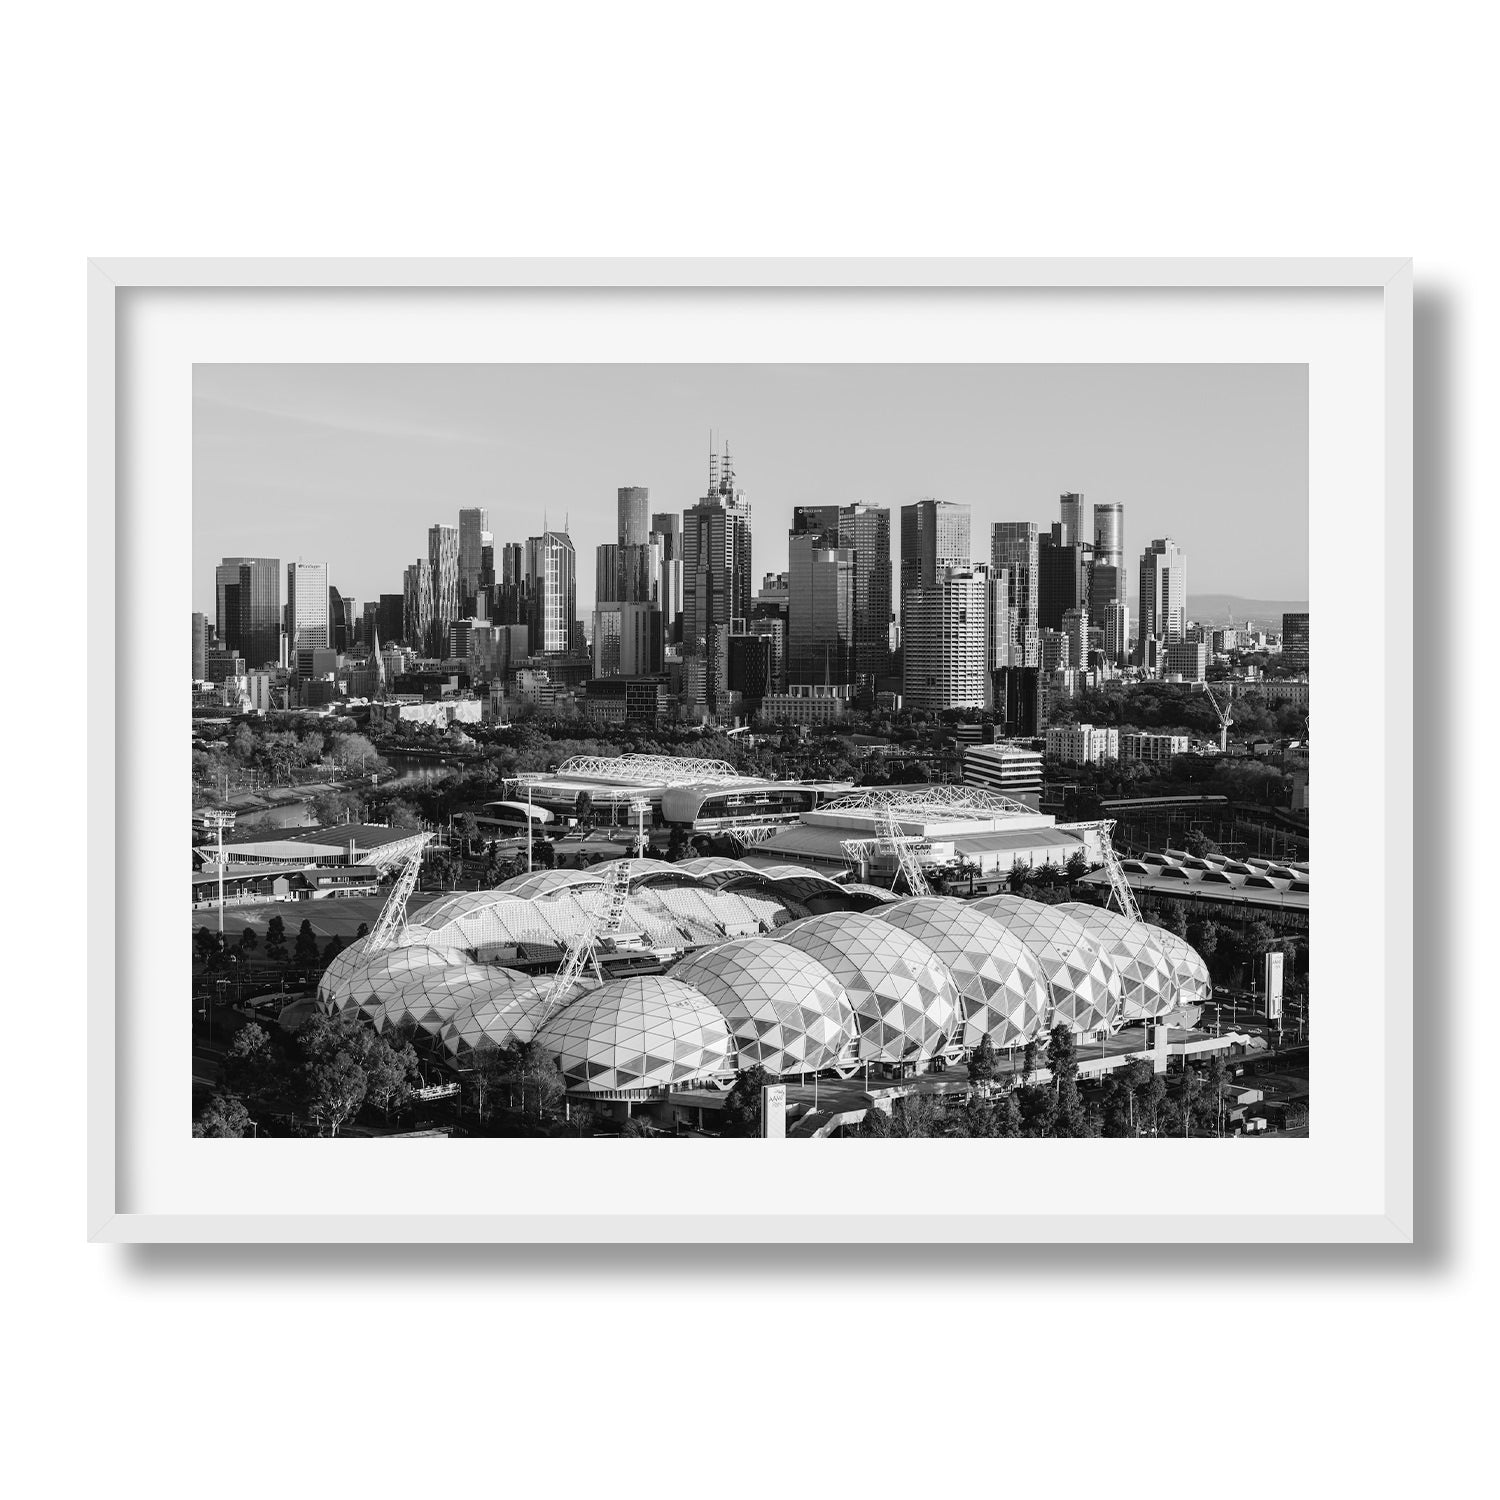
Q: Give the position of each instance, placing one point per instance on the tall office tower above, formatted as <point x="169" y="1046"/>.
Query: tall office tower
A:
<point x="866" y="531"/>
<point x="472" y="525"/>
<point x="1295" y="642"/>
<point x="307" y="620"/>
<point x="1106" y="588"/>
<point x="1163" y="598"/>
<point x="1057" y="652"/>
<point x="369" y="615"/>
<point x="715" y="569"/>
<point x="390" y="618"/>
<point x="1015" y="547"/>
<point x="200" y="647"/>
<point x="608" y="623"/>
<point x="258" y="600"/>
<point x="511" y="605"/>
<point x="1075" y="625"/>
<point x="552" y="592"/>
<point x="442" y="557"/>
<point x="667" y="525"/>
<point x="1060" y="569"/>
<point x="226" y="610"/>
<point x="486" y="589"/>
<point x="945" y="641"/>
<point x="340" y="620"/>
<point x="934" y="536"/>
<point x="1072" y="518"/>
<point x="1117" y="633"/>
<point x="820" y="599"/>
<point x="1109" y="536"/>
<point x="416" y="605"/>
<point x="633" y="503"/>
<point x="1003" y="651"/>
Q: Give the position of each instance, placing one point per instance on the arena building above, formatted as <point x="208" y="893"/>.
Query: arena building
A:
<point x="708" y="796"/>
<point x="786" y="970"/>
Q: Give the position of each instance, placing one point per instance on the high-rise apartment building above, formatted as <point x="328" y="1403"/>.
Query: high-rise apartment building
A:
<point x="416" y="605"/>
<point x="552" y="589"/>
<point x="1295" y="641"/>
<point x="934" y="540"/>
<point x="307" y="619"/>
<point x="820" y="598"/>
<point x="716" y="562"/>
<point x="200" y="647"/>
<point x="473" y="524"/>
<point x="865" y="530"/>
<point x="1015" y="547"/>
<point x="442" y="557"/>
<point x="1117" y="633"/>
<point x="1163" y="596"/>
<point x="945" y="659"/>
<point x="1075" y="625"/>
<point x="633" y="504"/>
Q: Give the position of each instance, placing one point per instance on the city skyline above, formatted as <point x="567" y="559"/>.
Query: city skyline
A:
<point x="351" y="465"/>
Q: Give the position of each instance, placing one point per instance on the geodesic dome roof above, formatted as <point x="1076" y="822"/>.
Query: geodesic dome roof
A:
<point x="784" y="1010"/>
<point x="1087" y="992"/>
<point x="538" y="883"/>
<point x="1194" y="986"/>
<point x="359" y="980"/>
<point x="1003" y="992"/>
<point x="713" y="864"/>
<point x="508" y="1015"/>
<point x="905" y="1002"/>
<point x="648" y="1031"/>
<point x="1148" y="976"/>
<point x="429" y="998"/>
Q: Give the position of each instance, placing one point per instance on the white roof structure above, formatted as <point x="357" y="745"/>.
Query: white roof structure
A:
<point x="934" y="801"/>
<point x="508" y="1015"/>
<point x="631" y="1036"/>
<point x="1149" y="977"/>
<point x="1194" y="986"/>
<point x="1003" y="991"/>
<point x="361" y="981"/>
<point x="1087" y="992"/>
<point x="904" y="998"/>
<point x="651" y="770"/>
<point x="785" y="1011"/>
<point x="430" y="998"/>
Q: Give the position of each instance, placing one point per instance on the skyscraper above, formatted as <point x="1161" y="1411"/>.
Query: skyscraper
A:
<point x="1295" y="642"/>
<point x="633" y="503"/>
<point x="257" y="603"/>
<point x="934" y="536"/>
<point x="716" y="565"/>
<point x="416" y="605"/>
<point x="552" y="589"/>
<point x="1109" y="536"/>
<point x="442" y="557"/>
<point x="1072" y="518"/>
<point x="200" y="647"/>
<point x="226" y="610"/>
<point x="472" y="525"/>
<point x="1015" y="547"/>
<point x="946" y="642"/>
<point x="820" y="600"/>
<point x="308" y="624"/>
<point x="1163" y="598"/>
<point x="391" y="618"/>
<point x="1060" y="575"/>
<point x="866" y="531"/>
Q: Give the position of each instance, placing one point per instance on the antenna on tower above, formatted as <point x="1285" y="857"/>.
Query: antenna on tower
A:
<point x="713" y="465"/>
<point x="728" y="475"/>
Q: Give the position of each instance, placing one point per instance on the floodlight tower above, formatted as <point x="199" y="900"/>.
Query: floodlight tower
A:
<point x="218" y="819"/>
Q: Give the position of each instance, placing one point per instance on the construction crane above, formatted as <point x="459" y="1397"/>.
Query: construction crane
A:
<point x="1119" y="887"/>
<point x="1222" y="709"/>
<point x="582" y="953"/>
<point x="392" y="919"/>
<point x="889" y="840"/>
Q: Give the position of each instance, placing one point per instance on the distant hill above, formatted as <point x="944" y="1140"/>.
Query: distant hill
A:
<point x="1264" y="613"/>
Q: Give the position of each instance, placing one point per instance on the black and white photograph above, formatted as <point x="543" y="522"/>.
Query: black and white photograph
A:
<point x="793" y="751"/>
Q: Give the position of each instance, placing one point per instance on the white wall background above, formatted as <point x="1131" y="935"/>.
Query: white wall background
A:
<point x="650" y="129"/>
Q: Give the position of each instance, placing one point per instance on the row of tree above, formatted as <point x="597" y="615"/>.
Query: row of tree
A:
<point x="305" y="955"/>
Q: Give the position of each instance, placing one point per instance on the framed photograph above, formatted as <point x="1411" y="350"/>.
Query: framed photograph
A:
<point x="862" y="705"/>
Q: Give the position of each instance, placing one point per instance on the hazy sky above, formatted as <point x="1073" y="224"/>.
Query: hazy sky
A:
<point x="350" y="464"/>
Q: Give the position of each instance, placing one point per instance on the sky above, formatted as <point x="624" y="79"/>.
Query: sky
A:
<point x="350" y="464"/>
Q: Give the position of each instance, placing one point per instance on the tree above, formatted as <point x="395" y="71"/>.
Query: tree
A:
<point x="982" y="1064"/>
<point x="544" y="854"/>
<point x="677" y="843"/>
<point x="363" y="930"/>
<point x="391" y="1073"/>
<point x="333" y="1091"/>
<point x="276" y="940"/>
<point x="1077" y="866"/>
<point x="305" y="953"/>
<point x="1038" y="1108"/>
<point x="742" y="1106"/>
<point x="331" y="950"/>
<point x="223" y="1118"/>
<point x="583" y="809"/>
<point x="1198" y="845"/>
<point x="1019" y="877"/>
<point x="637" y="1126"/>
<point x="205" y="944"/>
<point x="1029" y="1055"/>
<point x="253" y="1066"/>
<point x="248" y="942"/>
<point x="1062" y="1057"/>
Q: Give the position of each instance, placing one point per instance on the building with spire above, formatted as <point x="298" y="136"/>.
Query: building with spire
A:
<point x="716" y="577"/>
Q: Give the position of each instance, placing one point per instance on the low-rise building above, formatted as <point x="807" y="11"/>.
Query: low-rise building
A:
<point x="1082" y="744"/>
<point x="1008" y="769"/>
<point x="806" y="703"/>
<point x="442" y="713"/>
<point x="1154" y="749"/>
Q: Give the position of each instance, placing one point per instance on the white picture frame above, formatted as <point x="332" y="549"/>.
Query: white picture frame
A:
<point x="272" y="1191"/>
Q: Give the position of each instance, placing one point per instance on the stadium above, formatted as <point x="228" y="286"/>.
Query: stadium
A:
<point x="643" y="979"/>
